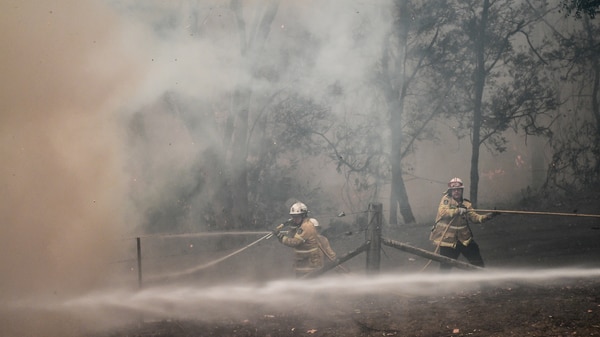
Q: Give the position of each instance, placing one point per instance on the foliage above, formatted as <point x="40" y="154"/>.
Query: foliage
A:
<point x="578" y="8"/>
<point x="575" y="141"/>
<point x="575" y="157"/>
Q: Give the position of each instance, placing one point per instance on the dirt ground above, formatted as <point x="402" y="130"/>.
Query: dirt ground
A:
<point x="567" y="308"/>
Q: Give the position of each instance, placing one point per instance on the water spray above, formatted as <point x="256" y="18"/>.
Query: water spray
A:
<point x="231" y="299"/>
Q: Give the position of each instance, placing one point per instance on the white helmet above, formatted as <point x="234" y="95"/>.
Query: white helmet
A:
<point x="455" y="183"/>
<point x="298" y="209"/>
<point x="315" y="223"/>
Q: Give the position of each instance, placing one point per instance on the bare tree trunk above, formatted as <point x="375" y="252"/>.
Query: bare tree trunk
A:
<point x="480" y="74"/>
<point x="250" y="46"/>
<point x="403" y="202"/>
<point x="595" y="93"/>
<point x="398" y="194"/>
<point x="399" y="197"/>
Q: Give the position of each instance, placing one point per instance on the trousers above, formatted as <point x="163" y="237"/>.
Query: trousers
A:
<point x="470" y="252"/>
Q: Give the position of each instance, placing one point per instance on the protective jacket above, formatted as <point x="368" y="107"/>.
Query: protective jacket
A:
<point x="326" y="248"/>
<point x="304" y="240"/>
<point x="451" y="227"/>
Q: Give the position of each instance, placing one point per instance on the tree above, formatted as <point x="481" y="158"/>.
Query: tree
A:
<point x="575" y="140"/>
<point x="407" y="94"/>
<point x="502" y="82"/>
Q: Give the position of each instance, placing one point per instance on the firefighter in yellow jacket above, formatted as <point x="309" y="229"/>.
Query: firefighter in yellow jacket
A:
<point x="451" y="232"/>
<point x="303" y="237"/>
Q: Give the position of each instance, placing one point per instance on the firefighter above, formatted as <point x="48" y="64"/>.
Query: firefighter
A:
<point x="328" y="252"/>
<point x="323" y="242"/>
<point x="303" y="237"/>
<point x="451" y="232"/>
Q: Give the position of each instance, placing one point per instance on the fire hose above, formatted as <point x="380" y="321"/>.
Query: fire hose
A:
<point x="214" y="262"/>
<point x="538" y="213"/>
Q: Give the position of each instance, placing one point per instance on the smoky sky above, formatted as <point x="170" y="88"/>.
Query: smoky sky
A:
<point x="75" y="74"/>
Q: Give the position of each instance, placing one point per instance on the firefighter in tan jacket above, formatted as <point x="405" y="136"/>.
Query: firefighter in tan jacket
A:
<point x="451" y="232"/>
<point x="324" y="242"/>
<point x="303" y="237"/>
<point x="329" y="254"/>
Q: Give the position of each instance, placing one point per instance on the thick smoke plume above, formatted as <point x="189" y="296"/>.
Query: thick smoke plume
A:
<point x="74" y="72"/>
<point x="62" y="200"/>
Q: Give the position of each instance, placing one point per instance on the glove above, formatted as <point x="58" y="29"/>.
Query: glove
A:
<point x="492" y="215"/>
<point x="277" y="232"/>
<point x="462" y="210"/>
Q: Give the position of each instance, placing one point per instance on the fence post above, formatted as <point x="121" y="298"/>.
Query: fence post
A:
<point x="374" y="236"/>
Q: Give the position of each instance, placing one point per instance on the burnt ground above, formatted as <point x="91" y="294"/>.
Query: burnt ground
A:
<point x="510" y="241"/>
